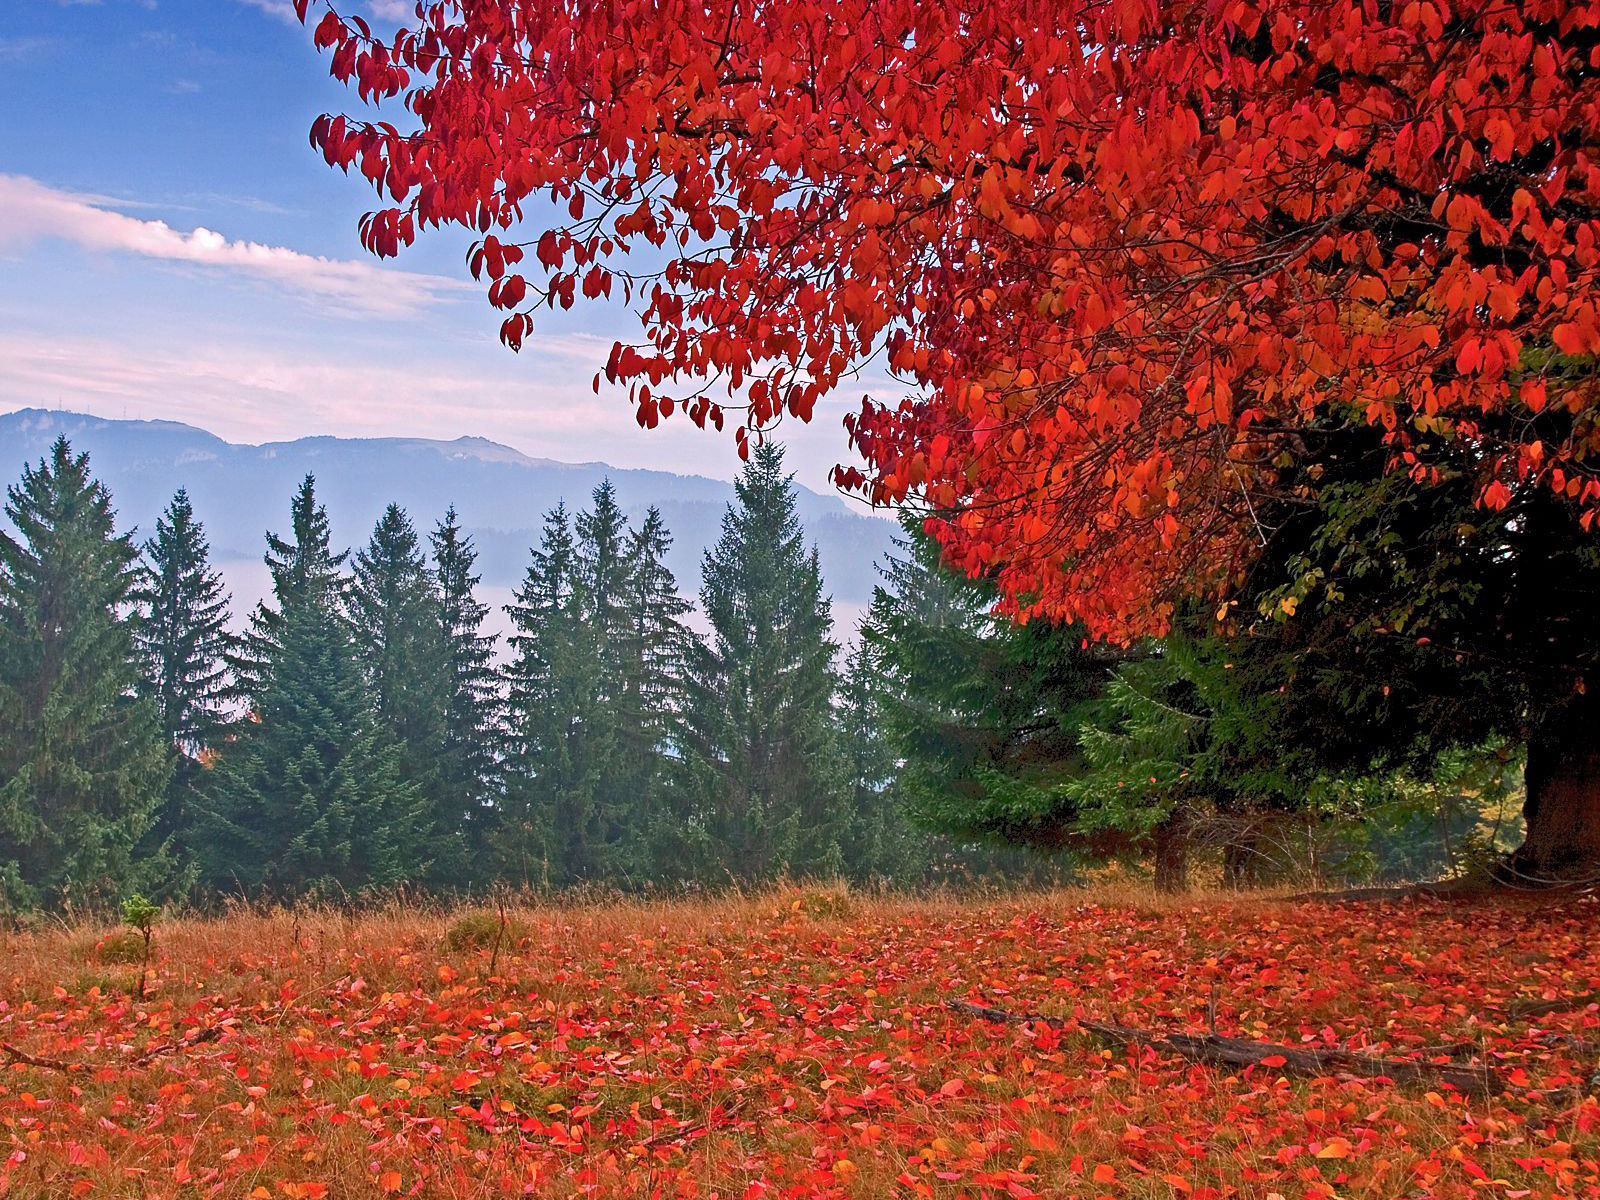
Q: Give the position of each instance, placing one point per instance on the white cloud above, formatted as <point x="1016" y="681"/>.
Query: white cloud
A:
<point x="31" y="212"/>
<point x="539" y="401"/>
<point x="18" y="48"/>
<point x="403" y="11"/>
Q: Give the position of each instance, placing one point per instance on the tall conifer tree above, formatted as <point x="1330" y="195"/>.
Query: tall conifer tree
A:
<point x="546" y="804"/>
<point x="301" y="568"/>
<point x="183" y="640"/>
<point x="880" y="842"/>
<point x="604" y="705"/>
<point x="82" y="762"/>
<point x="653" y="687"/>
<point x="310" y="796"/>
<point x="979" y="710"/>
<point x="469" y="767"/>
<point x="760" y="780"/>
<point x="395" y="618"/>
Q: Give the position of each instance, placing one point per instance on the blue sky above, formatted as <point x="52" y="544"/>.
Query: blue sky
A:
<point x="171" y="247"/>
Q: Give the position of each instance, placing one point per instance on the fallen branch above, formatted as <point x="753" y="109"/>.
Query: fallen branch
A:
<point x="1543" y="1008"/>
<point x="210" y="1033"/>
<point x="144" y="1058"/>
<point x="1240" y="1052"/>
<point x="13" y="1054"/>
<point x="1567" y="1042"/>
<point x="1407" y="891"/>
<point x="671" y="1135"/>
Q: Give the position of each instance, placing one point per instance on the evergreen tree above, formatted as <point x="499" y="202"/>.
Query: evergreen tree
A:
<point x="869" y="770"/>
<point x="570" y="697"/>
<point x="980" y="710"/>
<point x="761" y="783"/>
<point x="183" y="640"/>
<point x="1027" y="735"/>
<point x="653" y="686"/>
<point x="605" y="660"/>
<point x="881" y="842"/>
<point x="545" y="832"/>
<point x="82" y="762"/>
<point x="395" y="617"/>
<point x="468" y="772"/>
<point x="304" y="568"/>
<point x="310" y="795"/>
<point x="655" y="615"/>
<point x="1144" y="779"/>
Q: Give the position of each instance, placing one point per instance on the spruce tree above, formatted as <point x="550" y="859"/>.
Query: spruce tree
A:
<point x="980" y="710"/>
<point x="301" y="568"/>
<point x="183" y="639"/>
<point x="570" y="698"/>
<point x="885" y="842"/>
<point x="760" y="781"/>
<point x="395" y="618"/>
<point x="653" y="687"/>
<point x="468" y="775"/>
<point x="606" y="653"/>
<point x="655" y="614"/>
<point x="881" y="843"/>
<point x="310" y="797"/>
<point x="82" y="763"/>
<point x="544" y="834"/>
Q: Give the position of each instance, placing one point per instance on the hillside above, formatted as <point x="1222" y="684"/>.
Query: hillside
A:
<point x="501" y="494"/>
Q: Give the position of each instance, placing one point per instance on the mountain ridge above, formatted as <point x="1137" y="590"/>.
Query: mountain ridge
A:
<point x="241" y="490"/>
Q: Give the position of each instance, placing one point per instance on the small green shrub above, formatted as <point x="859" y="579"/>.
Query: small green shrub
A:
<point x="138" y="913"/>
<point x="815" y="902"/>
<point x="478" y="930"/>
<point x="122" y="947"/>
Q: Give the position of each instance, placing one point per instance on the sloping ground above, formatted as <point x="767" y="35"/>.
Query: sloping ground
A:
<point x="799" y="1044"/>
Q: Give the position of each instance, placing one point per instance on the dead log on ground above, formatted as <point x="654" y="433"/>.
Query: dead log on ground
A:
<point x="1543" y="1008"/>
<point x="15" y="1055"/>
<point x="144" y="1058"/>
<point x="1216" y="1050"/>
<point x="1445" y="890"/>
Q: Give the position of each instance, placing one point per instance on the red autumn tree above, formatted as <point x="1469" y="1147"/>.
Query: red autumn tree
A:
<point x="1123" y="252"/>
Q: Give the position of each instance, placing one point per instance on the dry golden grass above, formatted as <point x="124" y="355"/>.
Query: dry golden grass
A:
<point x="794" y="1043"/>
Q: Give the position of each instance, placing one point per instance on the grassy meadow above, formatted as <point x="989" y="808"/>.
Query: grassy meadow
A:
<point x="797" y="1043"/>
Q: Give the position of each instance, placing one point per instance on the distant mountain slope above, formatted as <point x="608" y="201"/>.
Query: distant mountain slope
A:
<point x="501" y="494"/>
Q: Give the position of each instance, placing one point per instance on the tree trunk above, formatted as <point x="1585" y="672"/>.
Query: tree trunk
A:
<point x="1172" y="857"/>
<point x="1241" y="863"/>
<point x="1562" y="809"/>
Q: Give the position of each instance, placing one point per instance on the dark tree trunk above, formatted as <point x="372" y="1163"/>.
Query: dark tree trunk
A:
<point x="1241" y="862"/>
<point x="1172" y="857"/>
<point x="1562" y="809"/>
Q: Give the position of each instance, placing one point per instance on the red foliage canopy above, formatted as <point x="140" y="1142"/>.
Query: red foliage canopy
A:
<point x="1120" y="249"/>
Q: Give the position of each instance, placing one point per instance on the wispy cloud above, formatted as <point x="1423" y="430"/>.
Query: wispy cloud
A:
<point x="253" y="392"/>
<point x="31" y="212"/>
<point x="384" y="10"/>
<point x="15" y="49"/>
<point x="539" y="401"/>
